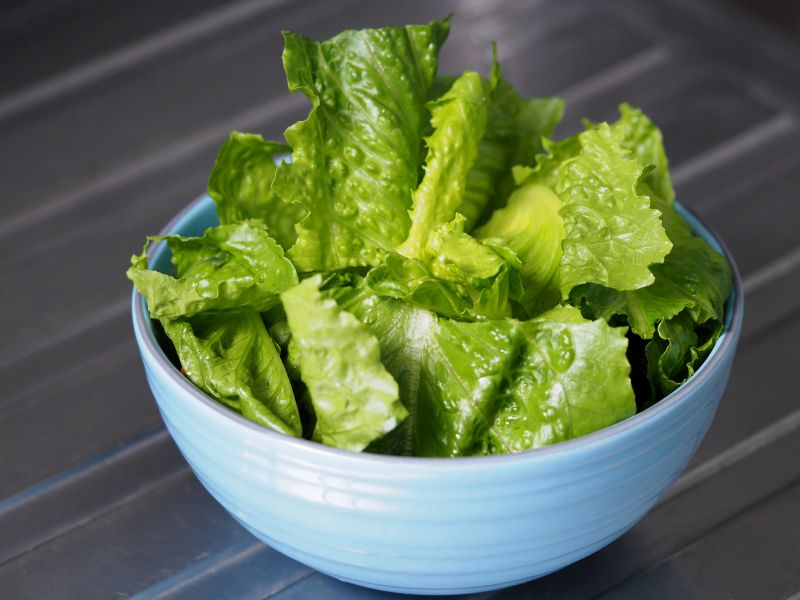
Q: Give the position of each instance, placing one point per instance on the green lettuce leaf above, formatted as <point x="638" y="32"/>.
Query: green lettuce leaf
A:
<point x="449" y="372"/>
<point x="231" y="266"/>
<point x="230" y="356"/>
<point x="612" y="235"/>
<point x="240" y="184"/>
<point x="489" y="272"/>
<point x="513" y="136"/>
<point x="571" y="379"/>
<point x="459" y="257"/>
<point x="531" y="226"/>
<point x="694" y="277"/>
<point x="578" y="217"/>
<point x="401" y="330"/>
<point x="355" y="399"/>
<point x="642" y="140"/>
<point x="446" y="269"/>
<point x="487" y="386"/>
<point x="355" y="158"/>
<point x="411" y="280"/>
<point x="677" y="350"/>
<point x="463" y="278"/>
<point x="459" y="120"/>
<point x="464" y="367"/>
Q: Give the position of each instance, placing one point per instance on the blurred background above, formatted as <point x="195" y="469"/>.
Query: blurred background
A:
<point x="784" y="14"/>
<point x="111" y="114"/>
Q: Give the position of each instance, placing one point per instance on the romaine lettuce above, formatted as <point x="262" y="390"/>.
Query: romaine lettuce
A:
<point x="449" y="371"/>
<point x="355" y="399"/>
<point x="354" y="159"/>
<point x="459" y="120"/>
<point x="230" y="356"/>
<point x="466" y="284"/>
<point x="496" y="385"/>
<point x="231" y="266"/>
<point x="572" y="378"/>
<point x="514" y="132"/>
<point x="240" y="183"/>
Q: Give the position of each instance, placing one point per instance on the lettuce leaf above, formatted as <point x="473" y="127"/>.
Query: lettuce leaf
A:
<point x="355" y="399"/>
<point x="231" y="266"/>
<point x="230" y="356"/>
<point x="642" y="140"/>
<point x="487" y="386"/>
<point x="240" y="184"/>
<point x="489" y="271"/>
<point x="694" y="277"/>
<point x="459" y="257"/>
<point x="462" y="371"/>
<point x="531" y="226"/>
<point x="571" y="379"/>
<point x="612" y="235"/>
<point x="514" y="132"/>
<point x="411" y="280"/>
<point x="459" y="120"/>
<point x="439" y="266"/>
<point x="463" y="278"/>
<point x="677" y="350"/>
<point x="448" y="372"/>
<point x="354" y="159"/>
<point x="587" y="221"/>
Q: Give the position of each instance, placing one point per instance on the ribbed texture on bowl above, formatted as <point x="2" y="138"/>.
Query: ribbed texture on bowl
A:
<point x="434" y="525"/>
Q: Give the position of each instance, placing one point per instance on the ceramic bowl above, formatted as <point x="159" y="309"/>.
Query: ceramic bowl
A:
<point x="434" y="526"/>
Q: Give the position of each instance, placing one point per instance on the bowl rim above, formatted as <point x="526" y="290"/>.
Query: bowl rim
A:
<point x="725" y="345"/>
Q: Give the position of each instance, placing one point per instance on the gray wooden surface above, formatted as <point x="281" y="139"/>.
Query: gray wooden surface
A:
<point x="110" y="115"/>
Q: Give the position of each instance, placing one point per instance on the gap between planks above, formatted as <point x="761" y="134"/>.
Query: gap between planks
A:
<point x="785" y="426"/>
<point x="208" y="567"/>
<point x="782" y="267"/>
<point x="751" y="138"/>
<point x="48" y="491"/>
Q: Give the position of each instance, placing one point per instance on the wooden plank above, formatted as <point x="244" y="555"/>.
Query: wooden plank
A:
<point x="761" y="388"/>
<point x="756" y="213"/>
<point x="76" y="496"/>
<point x="47" y="37"/>
<point x="246" y="570"/>
<point x="133" y="546"/>
<point x="90" y="409"/>
<point x="773" y="293"/>
<point x="546" y="61"/>
<point x="754" y="555"/>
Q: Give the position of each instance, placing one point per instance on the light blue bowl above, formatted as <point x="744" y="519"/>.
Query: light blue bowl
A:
<point x="434" y="526"/>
